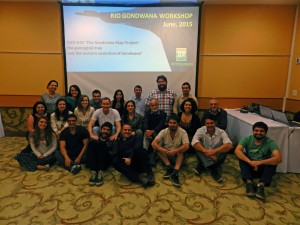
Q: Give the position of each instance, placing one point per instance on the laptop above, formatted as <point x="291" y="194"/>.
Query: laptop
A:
<point x="265" y="112"/>
<point x="281" y="118"/>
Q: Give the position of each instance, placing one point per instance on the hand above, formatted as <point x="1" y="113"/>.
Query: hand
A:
<point x="127" y="161"/>
<point x="133" y="133"/>
<point x="94" y="137"/>
<point x="113" y="137"/>
<point x="41" y="156"/>
<point x="171" y="152"/>
<point x="255" y="163"/>
<point x="77" y="160"/>
<point x="68" y="162"/>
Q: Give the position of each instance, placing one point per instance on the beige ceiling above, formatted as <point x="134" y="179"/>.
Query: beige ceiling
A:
<point x="252" y="2"/>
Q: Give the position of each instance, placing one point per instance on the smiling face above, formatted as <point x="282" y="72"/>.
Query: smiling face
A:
<point x="187" y="107"/>
<point x="61" y="105"/>
<point x="130" y="107"/>
<point x="40" y="109"/>
<point x="52" y="86"/>
<point x="96" y="97"/>
<point x="126" y="131"/>
<point x="214" y="105"/>
<point x="85" y="102"/>
<point x="210" y="125"/>
<point x="119" y="95"/>
<point x="259" y="133"/>
<point x="162" y="84"/>
<point x="105" y="132"/>
<point x="71" y="122"/>
<point x="173" y="125"/>
<point x="153" y="105"/>
<point x="105" y="104"/>
<point x="42" y="124"/>
<point x="74" y="92"/>
<point x="138" y="92"/>
<point x="185" y="90"/>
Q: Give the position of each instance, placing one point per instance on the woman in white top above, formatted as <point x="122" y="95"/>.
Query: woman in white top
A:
<point x="59" y="117"/>
<point x="43" y="143"/>
<point x="84" y="111"/>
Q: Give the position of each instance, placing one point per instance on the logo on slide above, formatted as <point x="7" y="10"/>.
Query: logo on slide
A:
<point x="181" y="54"/>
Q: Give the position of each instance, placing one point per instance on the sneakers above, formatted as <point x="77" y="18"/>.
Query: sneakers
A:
<point x="75" y="169"/>
<point x="175" y="180"/>
<point x="144" y="182"/>
<point x="168" y="173"/>
<point x="150" y="178"/>
<point x="92" y="180"/>
<point x="99" y="178"/>
<point x="260" y="192"/>
<point x="216" y="176"/>
<point x="250" y="189"/>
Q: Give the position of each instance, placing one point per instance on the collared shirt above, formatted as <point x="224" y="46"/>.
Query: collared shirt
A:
<point x="167" y="142"/>
<point x="219" y="138"/>
<point x="140" y="105"/>
<point x="179" y="100"/>
<point x="83" y="120"/>
<point x="165" y="99"/>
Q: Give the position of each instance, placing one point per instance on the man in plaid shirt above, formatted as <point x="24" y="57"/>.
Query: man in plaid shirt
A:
<point x="164" y="96"/>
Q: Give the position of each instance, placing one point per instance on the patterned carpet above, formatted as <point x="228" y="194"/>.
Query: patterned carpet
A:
<point x="57" y="197"/>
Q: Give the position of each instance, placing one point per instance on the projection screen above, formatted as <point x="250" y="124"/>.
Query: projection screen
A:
<point x="117" y="47"/>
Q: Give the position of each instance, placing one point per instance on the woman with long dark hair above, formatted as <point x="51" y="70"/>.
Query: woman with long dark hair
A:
<point x="72" y="97"/>
<point x="43" y="143"/>
<point x="59" y="117"/>
<point x="118" y="102"/>
<point x="39" y="109"/>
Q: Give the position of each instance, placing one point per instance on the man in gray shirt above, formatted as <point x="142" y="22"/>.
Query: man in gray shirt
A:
<point x="211" y="144"/>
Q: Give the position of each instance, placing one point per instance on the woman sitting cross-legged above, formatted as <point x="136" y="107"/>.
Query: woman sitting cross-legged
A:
<point x="43" y="144"/>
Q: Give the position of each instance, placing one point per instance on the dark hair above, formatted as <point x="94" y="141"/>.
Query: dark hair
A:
<point x="64" y="114"/>
<point x="194" y="105"/>
<point x="125" y="114"/>
<point x="210" y="117"/>
<point x="77" y="89"/>
<point x="121" y="109"/>
<point x="260" y="125"/>
<point x="36" y="104"/>
<point x="173" y="116"/>
<point x="161" y="77"/>
<point x="80" y="100"/>
<point x="186" y="83"/>
<point x="106" y="98"/>
<point x="51" y="82"/>
<point x="107" y="124"/>
<point x="96" y="92"/>
<point x="72" y="116"/>
<point x="137" y="86"/>
<point x="37" y="133"/>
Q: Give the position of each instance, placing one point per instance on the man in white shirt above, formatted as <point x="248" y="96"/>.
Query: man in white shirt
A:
<point x="211" y="144"/>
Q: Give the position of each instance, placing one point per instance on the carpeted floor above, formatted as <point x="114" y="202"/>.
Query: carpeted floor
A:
<point x="57" y="197"/>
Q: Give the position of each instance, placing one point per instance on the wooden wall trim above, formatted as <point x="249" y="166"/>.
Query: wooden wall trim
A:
<point x="18" y="100"/>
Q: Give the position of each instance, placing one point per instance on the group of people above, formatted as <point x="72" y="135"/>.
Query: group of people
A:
<point x="129" y="135"/>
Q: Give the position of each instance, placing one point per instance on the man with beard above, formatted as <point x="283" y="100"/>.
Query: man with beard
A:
<point x="186" y="88"/>
<point x="211" y="144"/>
<point x="219" y="115"/>
<point x="164" y="96"/>
<point x="99" y="154"/>
<point x="258" y="157"/>
<point x="170" y="145"/>
<point x="131" y="160"/>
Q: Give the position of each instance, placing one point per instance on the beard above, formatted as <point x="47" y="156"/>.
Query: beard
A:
<point x="259" y="137"/>
<point x="162" y="87"/>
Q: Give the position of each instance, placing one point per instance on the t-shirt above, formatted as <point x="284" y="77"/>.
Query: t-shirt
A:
<point x="74" y="143"/>
<point x="112" y="117"/>
<point x="167" y="142"/>
<point x="258" y="152"/>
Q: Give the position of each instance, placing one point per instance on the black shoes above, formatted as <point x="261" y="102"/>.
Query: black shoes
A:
<point x="175" y="180"/>
<point x="151" y="179"/>
<point x="75" y="169"/>
<point x="260" y="192"/>
<point x="96" y="178"/>
<point x="168" y="173"/>
<point x="199" y="169"/>
<point x="250" y="192"/>
<point x="216" y="175"/>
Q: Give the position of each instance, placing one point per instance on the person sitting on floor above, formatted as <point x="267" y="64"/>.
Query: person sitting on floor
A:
<point x="170" y="145"/>
<point x="132" y="160"/>
<point x="211" y="144"/>
<point x="99" y="154"/>
<point x="72" y="142"/>
<point x="258" y="157"/>
<point x="43" y="144"/>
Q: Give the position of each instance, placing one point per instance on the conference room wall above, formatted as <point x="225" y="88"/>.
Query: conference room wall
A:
<point x="245" y="53"/>
<point x="30" y="51"/>
<point x="241" y="46"/>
